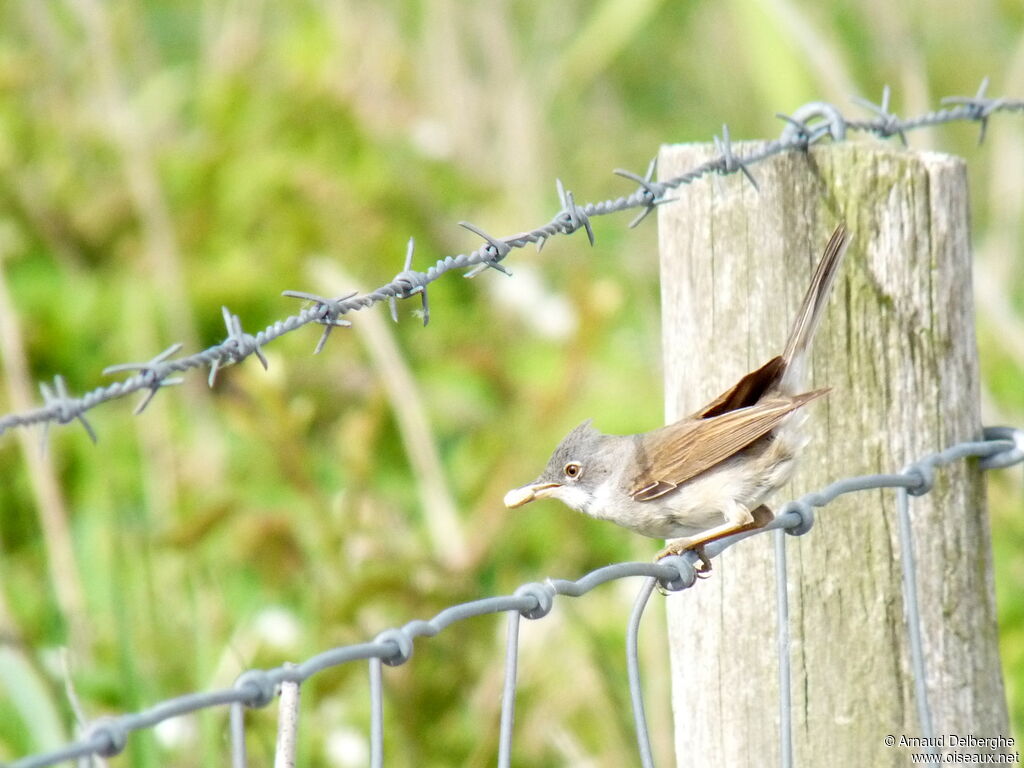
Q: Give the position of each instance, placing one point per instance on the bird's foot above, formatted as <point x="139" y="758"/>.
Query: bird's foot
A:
<point x="759" y="517"/>
<point x="679" y="546"/>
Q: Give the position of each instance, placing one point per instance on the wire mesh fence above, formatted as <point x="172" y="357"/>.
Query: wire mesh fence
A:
<point x="1000" y="447"/>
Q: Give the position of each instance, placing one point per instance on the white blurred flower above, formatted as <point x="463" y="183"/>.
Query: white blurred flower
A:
<point x="177" y="733"/>
<point x="432" y="138"/>
<point x="278" y="628"/>
<point x="547" y="313"/>
<point x="347" y="747"/>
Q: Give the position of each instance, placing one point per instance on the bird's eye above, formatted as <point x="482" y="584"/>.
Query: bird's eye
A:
<point x="573" y="469"/>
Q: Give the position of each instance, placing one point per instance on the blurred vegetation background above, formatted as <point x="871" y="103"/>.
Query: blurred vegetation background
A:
<point x="159" y="160"/>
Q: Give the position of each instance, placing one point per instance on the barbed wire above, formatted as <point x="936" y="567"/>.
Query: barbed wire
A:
<point x="255" y="688"/>
<point x="807" y="126"/>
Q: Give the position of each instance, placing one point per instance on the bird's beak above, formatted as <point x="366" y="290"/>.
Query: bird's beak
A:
<point x="519" y="496"/>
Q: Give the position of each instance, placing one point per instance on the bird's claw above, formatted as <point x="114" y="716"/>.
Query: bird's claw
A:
<point x="703" y="567"/>
<point x="704" y="572"/>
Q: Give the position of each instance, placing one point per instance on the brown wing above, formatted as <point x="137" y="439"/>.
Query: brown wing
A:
<point x="747" y="391"/>
<point x="683" y="450"/>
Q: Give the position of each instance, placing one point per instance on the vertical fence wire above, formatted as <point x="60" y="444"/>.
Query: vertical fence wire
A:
<point x="376" y="714"/>
<point x="782" y="641"/>
<point x="633" y="667"/>
<point x="237" y="727"/>
<point x="508" y="695"/>
<point x="913" y="615"/>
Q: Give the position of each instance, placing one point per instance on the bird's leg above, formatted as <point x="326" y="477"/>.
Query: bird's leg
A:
<point x="747" y="521"/>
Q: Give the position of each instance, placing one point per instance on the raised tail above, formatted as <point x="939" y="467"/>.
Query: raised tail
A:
<point x="811" y="310"/>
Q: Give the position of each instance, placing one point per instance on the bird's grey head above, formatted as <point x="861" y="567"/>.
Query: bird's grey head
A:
<point x="576" y="468"/>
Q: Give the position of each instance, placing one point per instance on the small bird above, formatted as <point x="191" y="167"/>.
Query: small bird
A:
<point x="707" y="475"/>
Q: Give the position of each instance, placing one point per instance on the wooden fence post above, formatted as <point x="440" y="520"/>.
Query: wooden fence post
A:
<point x="898" y="349"/>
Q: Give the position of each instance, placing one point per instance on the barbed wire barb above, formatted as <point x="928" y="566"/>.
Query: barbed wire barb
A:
<point x="572" y="217"/>
<point x="650" y="193"/>
<point x="243" y="343"/>
<point x="410" y="283"/>
<point x="326" y="312"/>
<point x="980" y="107"/>
<point x="152" y="372"/>
<point x="235" y="348"/>
<point x="65" y="406"/>
<point x="730" y="163"/>
<point x="891" y="125"/>
<point x="491" y="254"/>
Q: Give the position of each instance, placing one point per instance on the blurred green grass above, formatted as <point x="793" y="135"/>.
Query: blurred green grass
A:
<point x="159" y="160"/>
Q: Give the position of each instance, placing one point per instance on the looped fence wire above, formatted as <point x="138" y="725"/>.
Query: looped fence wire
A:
<point x="808" y="125"/>
<point x="1000" y="447"/>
